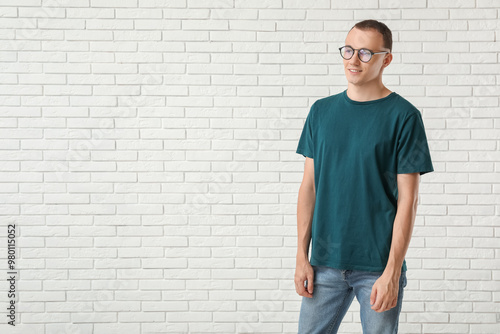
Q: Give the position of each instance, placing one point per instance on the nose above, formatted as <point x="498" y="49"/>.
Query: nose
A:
<point x="355" y="58"/>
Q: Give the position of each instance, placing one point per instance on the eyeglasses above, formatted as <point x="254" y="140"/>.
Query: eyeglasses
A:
<point x="363" y="54"/>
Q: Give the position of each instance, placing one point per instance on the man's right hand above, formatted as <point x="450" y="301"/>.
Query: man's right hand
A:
<point x="304" y="271"/>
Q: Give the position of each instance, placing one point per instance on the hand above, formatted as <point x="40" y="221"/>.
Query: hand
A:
<point x="384" y="294"/>
<point x="304" y="271"/>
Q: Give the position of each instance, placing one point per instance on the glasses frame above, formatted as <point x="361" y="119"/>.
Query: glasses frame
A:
<point x="359" y="57"/>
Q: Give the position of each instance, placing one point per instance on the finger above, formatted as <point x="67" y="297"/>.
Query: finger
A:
<point x="389" y="305"/>
<point x="373" y="295"/>
<point x="305" y="293"/>
<point x="310" y="284"/>
<point x="299" y="287"/>
<point x="381" y="308"/>
<point x="378" y="302"/>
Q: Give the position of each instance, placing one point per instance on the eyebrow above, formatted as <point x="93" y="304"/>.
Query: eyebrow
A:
<point x="360" y="48"/>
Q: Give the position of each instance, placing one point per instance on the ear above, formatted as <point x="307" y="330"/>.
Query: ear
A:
<point x="387" y="59"/>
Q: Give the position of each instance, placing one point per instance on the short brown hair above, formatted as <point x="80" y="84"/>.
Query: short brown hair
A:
<point x="378" y="26"/>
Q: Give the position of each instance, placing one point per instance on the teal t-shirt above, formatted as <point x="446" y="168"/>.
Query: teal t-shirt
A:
<point x="358" y="149"/>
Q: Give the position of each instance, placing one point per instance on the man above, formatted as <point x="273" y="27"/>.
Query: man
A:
<point x="365" y="150"/>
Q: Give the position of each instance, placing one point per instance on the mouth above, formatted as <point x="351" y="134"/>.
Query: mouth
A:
<point x="355" y="71"/>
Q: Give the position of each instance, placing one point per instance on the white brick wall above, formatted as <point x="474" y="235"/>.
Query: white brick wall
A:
<point x="148" y="159"/>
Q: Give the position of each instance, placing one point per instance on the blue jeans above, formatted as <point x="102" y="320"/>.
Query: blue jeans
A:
<point x="333" y="292"/>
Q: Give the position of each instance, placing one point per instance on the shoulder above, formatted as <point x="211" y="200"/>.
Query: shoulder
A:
<point x="325" y="103"/>
<point x="405" y="108"/>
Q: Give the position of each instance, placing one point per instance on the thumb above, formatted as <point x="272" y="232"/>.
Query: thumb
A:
<point x="310" y="286"/>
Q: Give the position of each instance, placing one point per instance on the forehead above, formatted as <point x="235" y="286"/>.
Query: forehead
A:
<point x="370" y="39"/>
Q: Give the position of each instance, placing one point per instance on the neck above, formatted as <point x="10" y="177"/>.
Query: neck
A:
<point x="361" y="93"/>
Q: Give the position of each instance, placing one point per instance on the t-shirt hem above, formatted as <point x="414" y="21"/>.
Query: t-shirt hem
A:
<point x="304" y="153"/>
<point x="341" y="266"/>
<point x="421" y="171"/>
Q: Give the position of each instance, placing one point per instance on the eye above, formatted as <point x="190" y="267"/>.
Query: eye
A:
<point x="365" y="52"/>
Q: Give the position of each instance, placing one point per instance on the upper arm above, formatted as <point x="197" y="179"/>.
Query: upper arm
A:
<point x="308" y="178"/>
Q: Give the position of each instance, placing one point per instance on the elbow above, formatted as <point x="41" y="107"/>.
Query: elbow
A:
<point x="410" y="201"/>
<point x="307" y="189"/>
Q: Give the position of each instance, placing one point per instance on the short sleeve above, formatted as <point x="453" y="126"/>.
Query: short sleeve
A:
<point x="412" y="149"/>
<point x="305" y="146"/>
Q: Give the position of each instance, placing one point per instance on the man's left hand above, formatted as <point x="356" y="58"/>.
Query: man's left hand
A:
<point x="384" y="294"/>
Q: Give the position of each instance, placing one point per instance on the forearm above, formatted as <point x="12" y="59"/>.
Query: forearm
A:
<point x="305" y="212"/>
<point x="385" y="290"/>
<point x="401" y="235"/>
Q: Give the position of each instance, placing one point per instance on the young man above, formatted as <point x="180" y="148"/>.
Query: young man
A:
<point x="365" y="150"/>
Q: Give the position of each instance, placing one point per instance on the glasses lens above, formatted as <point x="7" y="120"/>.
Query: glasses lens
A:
<point x="365" y="55"/>
<point x="346" y="52"/>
